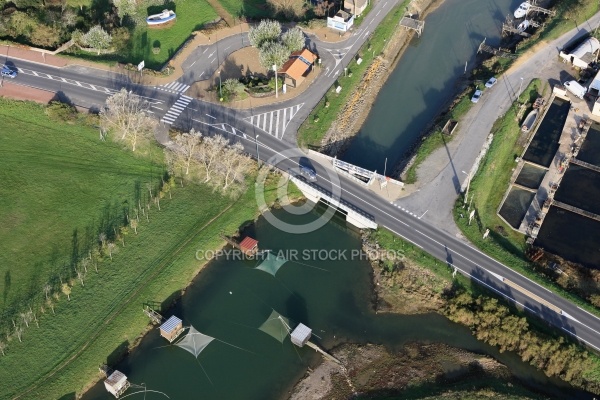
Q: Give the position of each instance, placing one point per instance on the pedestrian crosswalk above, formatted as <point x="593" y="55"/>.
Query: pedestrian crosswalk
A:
<point x="176" y="109"/>
<point x="275" y="122"/>
<point x="174" y="87"/>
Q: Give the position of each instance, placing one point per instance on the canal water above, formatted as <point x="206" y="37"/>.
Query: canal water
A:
<point x="426" y="79"/>
<point x="329" y="290"/>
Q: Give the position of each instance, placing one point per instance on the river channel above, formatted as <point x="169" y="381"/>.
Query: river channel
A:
<point x="329" y="292"/>
<point x="425" y="79"/>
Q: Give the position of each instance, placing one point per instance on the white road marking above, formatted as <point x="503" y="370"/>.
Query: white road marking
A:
<point x="275" y="122"/>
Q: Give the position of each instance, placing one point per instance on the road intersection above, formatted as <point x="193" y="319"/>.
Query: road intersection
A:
<point x="272" y="129"/>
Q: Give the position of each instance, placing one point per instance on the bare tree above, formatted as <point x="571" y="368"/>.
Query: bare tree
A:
<point x="47" y="290"/>
<point x="19" y="332"/>
<point x="187" y="144"/>
<point x="102" y="238"/>
<point x="81" y="276"/>
<point x="50" y="303"/>
<point x="66" y="289"/>
<point x="84" y="263"/>
<point x="127" y="116"/>
<point x="134" y="225"/>
<point x="34" y="317"/>
<point x="234" y="164"/>
<point x="123" y="231"/>
<point x="27" y="317"/>
<point x="211" y="151"/>
<point x="2" y="347"/>
<point x="111" y="247"/>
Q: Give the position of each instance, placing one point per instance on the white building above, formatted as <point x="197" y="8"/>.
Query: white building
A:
<point x="342" y="21"/>
<point x="116" y="383"/>
<point x="582" y="55"/>
<point x="301" y="335"/>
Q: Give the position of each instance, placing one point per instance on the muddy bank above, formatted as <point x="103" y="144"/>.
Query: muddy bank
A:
<point x="417" y="370"/>
<point x="357" y="109"/>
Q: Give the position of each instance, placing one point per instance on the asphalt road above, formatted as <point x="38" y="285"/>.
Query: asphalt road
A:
<point x="90" y="88"/>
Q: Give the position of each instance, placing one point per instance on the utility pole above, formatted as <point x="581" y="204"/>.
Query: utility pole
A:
<point x="520" y="87"/>
<point x="257" y="153"/>
<point x="275" y="70"/>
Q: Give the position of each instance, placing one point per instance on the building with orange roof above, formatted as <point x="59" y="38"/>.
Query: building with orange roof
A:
<point x="297" y="67"/>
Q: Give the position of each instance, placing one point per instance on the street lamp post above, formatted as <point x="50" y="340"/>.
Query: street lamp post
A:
<point x="468" y="184"/>
<point x="257" y="153"/>
<point x="220" y="91"/>
<point x="275" y="70"/>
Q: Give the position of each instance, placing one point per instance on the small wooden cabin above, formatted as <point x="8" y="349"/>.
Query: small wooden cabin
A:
<point x="249" y="246"/>
<point x="301" y="335"/>
<point x="171" y="329"/>
<point x="116" y="383"/>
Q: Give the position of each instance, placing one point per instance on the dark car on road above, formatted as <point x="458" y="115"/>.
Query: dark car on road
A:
<point x="8" y="72"/>
<point x="309" y="173"/>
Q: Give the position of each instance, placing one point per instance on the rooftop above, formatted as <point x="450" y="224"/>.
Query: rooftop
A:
<point x="170" y="324"/>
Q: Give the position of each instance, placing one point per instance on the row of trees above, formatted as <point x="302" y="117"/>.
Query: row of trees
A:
<point x="211" y="160"/>
<point x="89" y="252"/>
<point x="273" y="46"/>
<point x="493" y="323"/>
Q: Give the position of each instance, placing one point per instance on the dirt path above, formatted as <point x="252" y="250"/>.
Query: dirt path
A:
<point x="221" y="12"/>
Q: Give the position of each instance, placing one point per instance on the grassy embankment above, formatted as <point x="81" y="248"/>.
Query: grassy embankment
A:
<point x="191" y="15"/>
<point x="314" y="128"/>
<point x="65" y="178"/>
<point x="497" y="323"/>
<point x="569" y="13"/>
<point x="488" y="187"/>
<point x="249" y="9"/>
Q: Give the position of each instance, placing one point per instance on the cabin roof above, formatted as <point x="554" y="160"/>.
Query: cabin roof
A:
<point x="116" y="379"/>
<point x="248" y="244"/>
<point x="170" y="324"/>
<point x="301" y="332"/>
<point x="590" y="45"/>
<point x="299" y="62"/>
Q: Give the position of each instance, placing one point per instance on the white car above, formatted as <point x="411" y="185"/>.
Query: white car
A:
<point x="476" y="96"/>
<point x="522" y="10"/>
<point x="491" y="82"/>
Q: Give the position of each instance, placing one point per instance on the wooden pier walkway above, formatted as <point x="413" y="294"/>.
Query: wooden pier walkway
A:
<point x="585" y="164"/>
<point x="576" y="210"/>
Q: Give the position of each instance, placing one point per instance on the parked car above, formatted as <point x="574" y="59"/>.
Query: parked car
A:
<point x="8" y="72"/>
<point x="476" y="96"/>
<point x="491" y="82"/>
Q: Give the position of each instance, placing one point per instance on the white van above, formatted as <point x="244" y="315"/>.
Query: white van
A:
<point x="576" y="89"/>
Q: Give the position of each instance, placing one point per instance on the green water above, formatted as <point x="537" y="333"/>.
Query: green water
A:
<point x="230" y="300"/>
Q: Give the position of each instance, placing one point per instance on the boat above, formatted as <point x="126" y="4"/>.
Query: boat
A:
<point x="162" y="18"/>
<point x="529" y="121"/>
<point x="522" y="10"/>
<point x="522" y="27"/>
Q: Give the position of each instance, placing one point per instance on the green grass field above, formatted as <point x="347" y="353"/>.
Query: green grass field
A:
<point x="56" y="178"/>
<point x="249" y="9"/>
<point x="61" y="184"/>
<point x="191" y="15"/>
